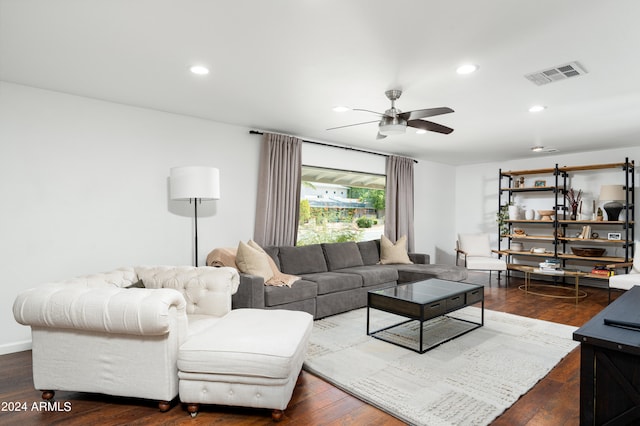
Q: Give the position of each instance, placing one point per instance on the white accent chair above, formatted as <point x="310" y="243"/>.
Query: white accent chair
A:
<point x="628" y="280"/>
<point x="93" y="334"/>
<point x="475" y="251"/>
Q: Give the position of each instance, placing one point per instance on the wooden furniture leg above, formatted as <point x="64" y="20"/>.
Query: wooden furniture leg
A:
<point x="277" y="415"/>
<point x="48" y="395"/>
<point x="164" y="406"/>
<point x="193" y="409"/>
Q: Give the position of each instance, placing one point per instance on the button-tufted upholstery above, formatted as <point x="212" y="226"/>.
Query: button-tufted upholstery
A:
<point x="92" y="334"/>
<point x="251" y="358"/>
<point x="205" y="290"/>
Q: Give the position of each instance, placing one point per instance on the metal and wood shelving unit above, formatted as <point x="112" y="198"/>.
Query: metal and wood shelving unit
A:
<point x="557" y="231"/>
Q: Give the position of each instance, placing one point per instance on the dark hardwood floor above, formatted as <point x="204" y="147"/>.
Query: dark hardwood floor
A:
<point x="553" y="401"/>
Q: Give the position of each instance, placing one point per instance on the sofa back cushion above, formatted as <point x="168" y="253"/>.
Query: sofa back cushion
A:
<point x="342" y="255"/>
<point x="207" y="290"/>
<point x="302" y="260"/>
<point x="370" y="252"/>
<point x="273" y="252"/>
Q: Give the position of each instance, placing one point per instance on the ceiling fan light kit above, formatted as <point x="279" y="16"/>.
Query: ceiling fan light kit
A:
<point x="391" y="124"/>
<point x="392" y="129"/>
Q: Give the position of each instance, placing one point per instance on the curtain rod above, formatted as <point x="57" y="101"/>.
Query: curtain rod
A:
<point x="348" y="148"/>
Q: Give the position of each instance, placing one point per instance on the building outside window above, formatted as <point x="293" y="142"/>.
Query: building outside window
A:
<point x="340" y="205"/>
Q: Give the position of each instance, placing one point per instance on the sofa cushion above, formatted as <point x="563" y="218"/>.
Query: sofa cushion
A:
<point x="299" y="290"/>
<point x="253" y="261"/>
<point x="302" y="260"/>
<point x="370" y="252"/>
<point x="137" y="284"/>
<point x="342" y="255"/>
<point x="391" y="253"/>
<point x="373" y="275"/>
<point x="277" y="279"/>
<point x="273" y="251"/>
<point x="419" y="272"/>
<point x="249" y="342"/>
<point x="330" y="282"/>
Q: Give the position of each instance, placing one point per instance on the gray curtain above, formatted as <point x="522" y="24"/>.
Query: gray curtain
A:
<point x="278" y="201"/>
<point x="399" y="200"/>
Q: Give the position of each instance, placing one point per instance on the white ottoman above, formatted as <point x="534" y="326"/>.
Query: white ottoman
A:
<point x="250" y="358"/>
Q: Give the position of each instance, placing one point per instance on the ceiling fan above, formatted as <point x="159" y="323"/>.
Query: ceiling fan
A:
<point x="395" y="122"/>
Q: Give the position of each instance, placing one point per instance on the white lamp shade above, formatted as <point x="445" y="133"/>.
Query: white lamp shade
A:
<point x="612" y="193"/>
<point x="194" y="182"/>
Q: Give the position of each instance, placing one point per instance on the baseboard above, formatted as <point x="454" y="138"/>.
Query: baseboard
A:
<point x="10" y="348"/>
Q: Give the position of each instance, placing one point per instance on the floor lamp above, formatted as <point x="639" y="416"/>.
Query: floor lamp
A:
<point x="194" y="183"/>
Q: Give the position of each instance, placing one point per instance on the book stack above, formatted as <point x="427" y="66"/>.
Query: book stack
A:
<point x="550" y="265"/>
<point x="601" y="271"/>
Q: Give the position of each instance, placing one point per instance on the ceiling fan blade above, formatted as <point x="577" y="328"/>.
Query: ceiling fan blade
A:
<point x="351" y="125"/>
<point x="380" y="136"/>
<point x="431" y="126"/>
<point x="422" y="113"/>
<point x="368" y="110"/>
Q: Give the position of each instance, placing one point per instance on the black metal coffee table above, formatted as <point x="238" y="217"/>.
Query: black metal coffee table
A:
<point x="425" y="300"/>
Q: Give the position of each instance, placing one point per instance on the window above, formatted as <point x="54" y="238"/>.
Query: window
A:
<point x="340" y="205"/>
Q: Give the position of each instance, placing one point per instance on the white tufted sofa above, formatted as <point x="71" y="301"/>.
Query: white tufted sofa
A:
<point x="92" y="334"/>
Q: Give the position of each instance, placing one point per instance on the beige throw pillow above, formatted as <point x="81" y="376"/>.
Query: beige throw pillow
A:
<point x="253" y="262"/>
<point x="394" y="253"/>
<point x="278" y="279"/>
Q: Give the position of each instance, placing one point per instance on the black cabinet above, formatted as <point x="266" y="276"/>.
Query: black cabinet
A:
<point x="610" y="365"/>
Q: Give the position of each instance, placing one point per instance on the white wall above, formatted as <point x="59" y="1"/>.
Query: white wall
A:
<point x="83" y="187"/>
<point x="476" y="189"/>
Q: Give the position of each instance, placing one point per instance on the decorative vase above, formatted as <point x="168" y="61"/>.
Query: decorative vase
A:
<point x="574" y="212"/>
<point x="529" y="214"/>
<point x="513" y="212"/>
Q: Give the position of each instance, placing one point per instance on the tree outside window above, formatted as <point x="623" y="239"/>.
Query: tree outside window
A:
<point x="340" y="206"/>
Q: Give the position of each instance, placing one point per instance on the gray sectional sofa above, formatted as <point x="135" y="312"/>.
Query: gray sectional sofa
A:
<point x="335" y="277"/>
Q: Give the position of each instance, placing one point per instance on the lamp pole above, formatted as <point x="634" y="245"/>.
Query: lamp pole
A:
<point x="195" y="216"/>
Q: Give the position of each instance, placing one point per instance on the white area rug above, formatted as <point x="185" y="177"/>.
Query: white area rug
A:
<point x="470" y="380"/>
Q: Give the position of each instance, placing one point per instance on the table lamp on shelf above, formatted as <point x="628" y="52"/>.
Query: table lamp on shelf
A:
<point x="614" y="194"/>
<point x="195" y="183"/>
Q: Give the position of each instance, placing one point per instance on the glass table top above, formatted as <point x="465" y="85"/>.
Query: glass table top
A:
<point x="426" y="291"/>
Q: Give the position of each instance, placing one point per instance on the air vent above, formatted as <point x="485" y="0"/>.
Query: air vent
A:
<point x="561" y="72"/>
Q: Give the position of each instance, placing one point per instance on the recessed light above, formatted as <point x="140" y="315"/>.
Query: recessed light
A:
<point x="537" y="108"/>
<point x="421" y="131"/>
<point x="341" y="108"/>
<point x="199" y="70"/>
<point x="467" y="69"/>
<point x="537" y="148"/>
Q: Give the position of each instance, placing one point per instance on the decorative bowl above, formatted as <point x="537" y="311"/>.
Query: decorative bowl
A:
<point x="515" y="246"/>
<point x="588" y="251"/>
<point x="546" y="214"/>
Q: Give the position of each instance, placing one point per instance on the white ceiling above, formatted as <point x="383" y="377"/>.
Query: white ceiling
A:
<point x="281" y="65"/>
